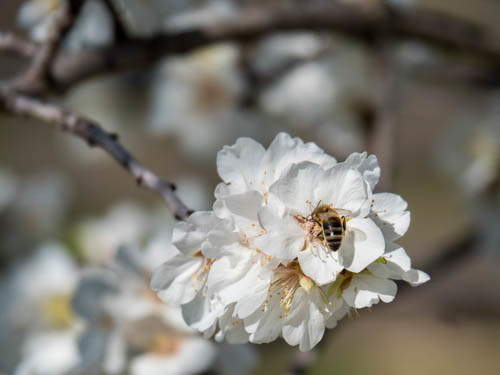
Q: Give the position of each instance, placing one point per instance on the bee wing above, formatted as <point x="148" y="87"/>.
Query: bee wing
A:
<point x="342" y="212"/>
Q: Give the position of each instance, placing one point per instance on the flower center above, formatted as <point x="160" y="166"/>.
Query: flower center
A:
<point x="288" y="279"/>
<point x="57" y="311"/>
<point x="165" y="343"/>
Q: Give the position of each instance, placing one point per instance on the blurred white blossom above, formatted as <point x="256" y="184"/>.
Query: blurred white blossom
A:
<point x="257" y="267"/>
<point x="277" y="50"/>
<point x="41" y="311"/>
<point x="200" y="14"/>
<point x="195" y="99"/>
<point x="93" y="27"/>
<point x="471" y="155"/>
<point x="37" y="16"/>
<point x="125" y="223"/>
<point x="194" y="191"/>
<point x="49" y="353"/>
<point x="138" y="333"/>
<point x="148" y="17"/>
<point x="311" y="92"/>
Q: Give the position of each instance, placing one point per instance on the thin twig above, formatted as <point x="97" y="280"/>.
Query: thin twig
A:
<point x="12" y="42"/>
<point x="94" y="135"/>
<point x="38" y="74"/>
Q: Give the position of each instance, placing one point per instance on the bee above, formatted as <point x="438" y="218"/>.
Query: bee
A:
<point x="330" y="225"/>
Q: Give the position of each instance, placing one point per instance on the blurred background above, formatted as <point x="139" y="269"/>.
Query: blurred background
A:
<point x="67" y="209"/>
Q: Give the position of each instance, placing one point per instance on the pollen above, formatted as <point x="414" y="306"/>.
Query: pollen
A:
<point x="288" y="280"/>
<point x="202" y="271"/>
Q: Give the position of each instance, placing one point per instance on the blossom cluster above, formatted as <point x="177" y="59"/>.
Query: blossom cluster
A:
<point x="59" y="318"/>
<point x="259" y="266"/>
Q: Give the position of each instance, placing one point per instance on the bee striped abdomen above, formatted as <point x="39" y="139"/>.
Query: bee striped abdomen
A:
<point x="332" y="224"/>
<point x="333" y="232"/>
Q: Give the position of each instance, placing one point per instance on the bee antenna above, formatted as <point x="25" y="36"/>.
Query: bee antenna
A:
<point x="317" y="205"/>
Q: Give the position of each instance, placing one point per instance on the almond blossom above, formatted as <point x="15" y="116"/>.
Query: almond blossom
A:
<point x="255" y="269"/>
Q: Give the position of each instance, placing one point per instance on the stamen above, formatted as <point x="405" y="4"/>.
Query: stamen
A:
<point x="289" y="279"/>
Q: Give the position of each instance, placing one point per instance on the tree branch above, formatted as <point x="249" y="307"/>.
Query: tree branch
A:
<point x="434" y="27"/>
<point x="94" y="135"/>
<point x="11" y="42"/>
<point x="37" y="76"/>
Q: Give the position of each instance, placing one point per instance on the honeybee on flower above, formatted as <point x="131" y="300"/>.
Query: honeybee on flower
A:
<point x="294" y="242"/>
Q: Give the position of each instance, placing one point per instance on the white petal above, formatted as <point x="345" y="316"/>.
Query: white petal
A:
<point x="220" y="240"/>
<point x="252" y="301"/>
<point x="174" y="280"/>
<point x="389" y="213"/>
<point x="189" y="236"/>
<point x="280" y="245"/>
<point x="264" y="325"/>
<point x="416" y="277"/>
<point x="201" y="314"/>
<point x="397" y="262"/>
<point x="239" y="164"/>
<point x="320" y="264"/>
<point x="235" y="279"/>
<point x="285" y="150"/>
<point x="244" y="205"/>
<point x="284" y="238"/>
<point x="305" y="324"/>
<point x="362" y="245"/>
<point x="395" y="254"/>
<point x="366" y="290"/>
<point x="232" y="328"/>
<point x="342" y="187"/>
<point x="295" y="187"/>
<point x="338" y="310"/>
<point x="368" y="166"/>
<point x="242" y="210"/>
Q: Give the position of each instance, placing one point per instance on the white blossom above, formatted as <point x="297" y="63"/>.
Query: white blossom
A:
<point x="315" y="92"/>
<point x="49" y="353"/>
<point x="93" y="27"/>
<point x="38" y="16"/>
<point x="275" y="51"/>
<point x="124" y="316"/>
<point x="193" y="98"/>
<point x="41" y="312"/>
<point x="99" y="238"/>
<point x="255" y="268"/>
